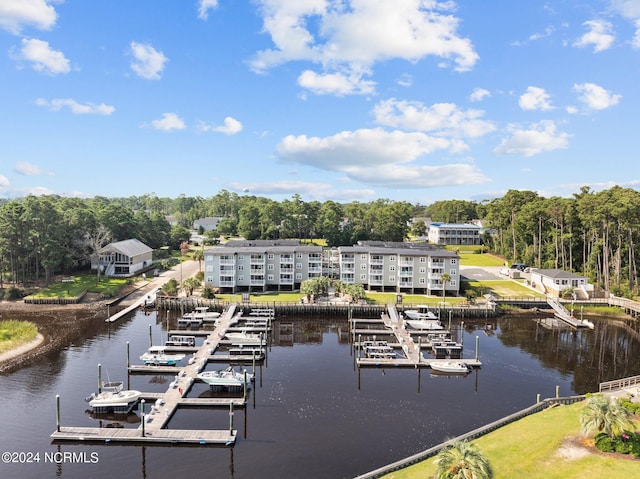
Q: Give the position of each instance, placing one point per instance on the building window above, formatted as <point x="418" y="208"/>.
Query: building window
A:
<point x="363" y="277"/>
<point x="298" y="275"/>
<point x="363" y="266"/>
<point x="453" y="271"/>
<point x="240" y="278"/>
<point x="422" y="280"/>
<point x="270" y="267"/>
<point x="299" y="255"/>
<point x="392" y="258"/>
<point x="298" y="265"/>
<point x="363" y="257"/>
<point x="392" y="279"/>
<point x="240" y="267"/>
<point x="452" y="282"/>
<point x="454" y="261"/>
<point x="270" y="276"/>
<point x="270" y="256"/>
<point x="240" y="257"/>
<point x="209" y="268"/>
<point x="422" y="270"/>
<point x="423" y="259"/>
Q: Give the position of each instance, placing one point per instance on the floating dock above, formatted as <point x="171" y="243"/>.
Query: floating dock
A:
<point x="164" y="405"/>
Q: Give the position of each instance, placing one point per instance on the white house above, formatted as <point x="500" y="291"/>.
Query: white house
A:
<point x="208" y="223"/>
<point x="123" y="258"/>
<point x="455" y="234"/>
<point x="554" y="281"/>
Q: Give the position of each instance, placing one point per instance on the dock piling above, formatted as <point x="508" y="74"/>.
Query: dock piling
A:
<point x="128" y="355"/>
<point x="477" y="343"/>
<point x="58" y="412"/>
<point x="142" y="415"/>
<point x="231" y="418"/>
<point x="99" y="378"/>
<point x="150" y="337"/>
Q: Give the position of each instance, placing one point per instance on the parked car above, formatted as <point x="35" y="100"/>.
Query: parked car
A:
<point x="519" y="266"/>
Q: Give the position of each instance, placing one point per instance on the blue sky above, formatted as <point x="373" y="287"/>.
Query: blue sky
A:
<point x="341" y="100"/>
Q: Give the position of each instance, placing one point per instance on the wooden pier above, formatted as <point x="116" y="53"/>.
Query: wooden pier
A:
<point x="164" y="405"/>
<point x="562" y="313"/>
<point x="405" y="341"/>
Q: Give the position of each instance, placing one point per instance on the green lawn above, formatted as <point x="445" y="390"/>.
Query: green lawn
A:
<point x="529" y="448"/>
<point x="502" y="289"/>
<point x="15" y="333"/>
<point x="108" y="286"/>
<point x="290" y="297"/>
<point x="486" y="259"/>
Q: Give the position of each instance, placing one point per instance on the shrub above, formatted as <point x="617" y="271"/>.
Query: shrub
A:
<point x="208" y="292"/>
<point x="605" y="443"/>
<point x="630" y="406"/>
<point x="13" y="293"/>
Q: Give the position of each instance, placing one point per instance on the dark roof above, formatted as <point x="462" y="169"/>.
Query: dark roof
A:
<point x="557" y="273"/>
<point x="401" y="249"/>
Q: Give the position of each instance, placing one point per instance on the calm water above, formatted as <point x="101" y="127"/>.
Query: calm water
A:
<point x="311" y="414"/>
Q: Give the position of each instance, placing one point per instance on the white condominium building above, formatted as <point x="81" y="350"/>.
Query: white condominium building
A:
<point x="414" y="268"/>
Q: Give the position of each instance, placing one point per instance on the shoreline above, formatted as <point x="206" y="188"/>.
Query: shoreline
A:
<point x="22" y="349"/>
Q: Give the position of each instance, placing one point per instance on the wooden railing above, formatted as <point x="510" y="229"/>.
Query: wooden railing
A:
<point x="619" y="383"/>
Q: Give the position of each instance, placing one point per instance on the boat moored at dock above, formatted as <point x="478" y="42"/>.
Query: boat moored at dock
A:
<point x="112" y="398"/>
<point x="227" y="378"/>
<point x="156" y="356"/>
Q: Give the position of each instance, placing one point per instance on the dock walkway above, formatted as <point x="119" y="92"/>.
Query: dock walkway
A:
<point x="153" y="426"/>
<point x="562" y="313"/>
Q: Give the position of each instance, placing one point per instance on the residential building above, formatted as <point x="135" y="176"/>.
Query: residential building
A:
<point x="261" y="265"/>
<point x="555" y="281"/>
<point x="414" y="268"/>
<point x="123" y="259"/>
<point x="208" y="223"/>
<point x="454" y="234"/>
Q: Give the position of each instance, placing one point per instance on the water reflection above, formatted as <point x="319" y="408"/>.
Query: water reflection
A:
<point x="310" y="402"/>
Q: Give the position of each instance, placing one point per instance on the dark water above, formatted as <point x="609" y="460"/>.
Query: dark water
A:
<point x="311" y="414"/>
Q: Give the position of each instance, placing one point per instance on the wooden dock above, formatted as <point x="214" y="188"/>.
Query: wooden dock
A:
<point x="153" y="425"/>
<point x="412" y="351"/>
<point x="562" y="313"/>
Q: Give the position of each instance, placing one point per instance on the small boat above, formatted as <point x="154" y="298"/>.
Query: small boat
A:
<point x="424" y="324"/>
<point x="201" y="314"/>
<point x="242" y="336"/>
<point x="112" y="397"/>
<point x="176" y="340"/>
<point x="156" y="356"/>
<point x="226" y="377"/>
<point x="421" y="313"/>
<point x="588" y="324"/>
<point x="451" y="367"/>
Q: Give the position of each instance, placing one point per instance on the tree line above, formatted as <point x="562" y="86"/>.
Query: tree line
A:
<point x="592" y="233"/>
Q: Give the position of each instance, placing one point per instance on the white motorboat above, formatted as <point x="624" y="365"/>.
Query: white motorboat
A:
<point x="226" y="377"/>
<point x="428" y="324"/>
<point x="156" y="356"/>
<point x="449" y="366"/>
<point x="201" y="314"/>
<point x="177" y="340"/>
<point x="242" y="336"/>
<point x="112" y="396"/>
<point x="421" y="313"/>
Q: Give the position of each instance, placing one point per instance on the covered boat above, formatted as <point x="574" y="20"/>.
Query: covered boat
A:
<point x="228" y="377"/>
<point x="156" y="356"/>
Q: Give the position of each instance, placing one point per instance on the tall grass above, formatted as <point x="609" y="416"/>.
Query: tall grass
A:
<point x="15" y="333"/>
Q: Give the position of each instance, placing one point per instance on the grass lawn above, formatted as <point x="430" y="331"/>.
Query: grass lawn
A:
<point x="290" y="297"/>
<point x="16" y="333"/>
<point x="502" y="289"/>
<point x="108" y="286"/>
<point x="390" y="298"/>
<point x="485" y="259"/>
<point x="531" y="448"/>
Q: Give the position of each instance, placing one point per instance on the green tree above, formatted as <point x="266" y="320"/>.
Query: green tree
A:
<point x="604" y="414"/>
<point x="462" y="460"/>
<point x="445" y="277"/>
<point x="170" y="287"/>
<point x="189" y="285"/>
<point x="198" y="255"/>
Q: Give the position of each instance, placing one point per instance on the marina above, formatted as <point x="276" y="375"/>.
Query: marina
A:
<point x="153" y="427"/>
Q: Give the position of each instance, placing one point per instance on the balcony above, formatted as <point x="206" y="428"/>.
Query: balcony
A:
<point x="315" y="269"/>
<point x="376" y="260"/>
<point x="405" y="262"/>
<point x="227" y="261"/>
<point x="288" y="259"/>
<point x="375" y="281"/>
<point x="227" y="284"/>
<point x="406" y="272"/>
<point x="436" y="264"/>
<point x="286" y="279"/>
<point x="257" y="259"/>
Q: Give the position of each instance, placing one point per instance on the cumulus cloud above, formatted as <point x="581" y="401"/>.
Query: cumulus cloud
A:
<point x="28" y="169"/>
<point x="204" y="6"/>
<point x="77" y="108"/>
<point x="230" y="127"/>
<point x="169" y="122"/>
<point x="4" y="181"/>
<point x="352" y="35"/>
<point x="14" y="15"/>
<point x="147" y="62"/>
<point x="595" y="97"/>
<point x="335" y="83"/>
<point x="535" y="99"/>
<point x="540" y="137"/>
<point x="43" y="58"/>
<point x="599" y="35"/>
<point x="376" y="156"/>
<point x="479" y="94"/>
<point x="442" y="119"/>
<point x="629" y="9"/>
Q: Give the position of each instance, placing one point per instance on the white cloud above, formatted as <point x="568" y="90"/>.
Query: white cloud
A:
<point x="311" y="190"/>
<point x="204" y="6"/>
<point x="148" y="62"/>
<point x="14" y="15"/>
<point x="4" y="181"/>
<point x="595" y="97"/>
<point x="443" y="119"/>
<point x="230" y="127"/>
<point x="42" y="57"/>
<point x="379" y="157"/>
<point x="75" y="107"/>
<point x="629" y="9"/>
<point x="479" y="94"/>
<point x="352" y="35"/>
<point x="335" y="83"/>
<point x="537" y="36"/>
<point x="535" y="99"/>
<point x="28" y="169"/>
<point x="599" y="35"/>
<point x="405" y="80"/>
<point x="169" y="122"/>
<point x="541" y="137"/>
